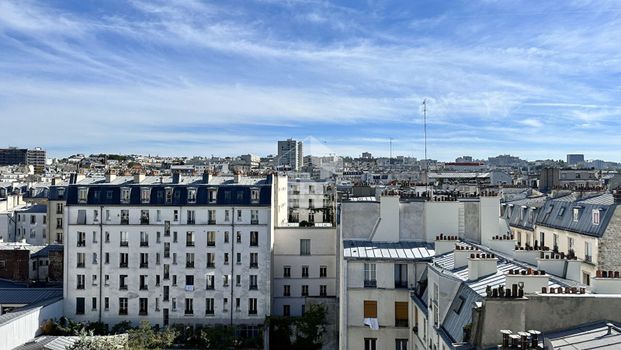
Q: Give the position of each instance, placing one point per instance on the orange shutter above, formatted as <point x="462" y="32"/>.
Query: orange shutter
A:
<point x="401" y="311"/>
<point x="370" y="309"/>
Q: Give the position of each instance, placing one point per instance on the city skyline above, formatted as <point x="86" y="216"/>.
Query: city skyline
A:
<point x="536" y="81"/>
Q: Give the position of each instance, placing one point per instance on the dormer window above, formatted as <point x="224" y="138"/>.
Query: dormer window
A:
<point x="61" y="192"/>
<point x="191" y="195"/>
<point x="169" y="194"/>
<point x="576" y="214"/>
<point x="82" y="194"/>
<point x="561" y="211"/>
<point x="213" y="193"/>
<point x="595" y="216"/>
<point x="145" y="195"/>
<point x="125" y="195"/>
<point x="254" y="195"/>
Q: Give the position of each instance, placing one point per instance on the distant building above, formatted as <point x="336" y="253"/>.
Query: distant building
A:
<point x="573" y="159"/>
<point x="16" y="156"/>
<point x="290" y="154"/>
<point x="367" y="155"/>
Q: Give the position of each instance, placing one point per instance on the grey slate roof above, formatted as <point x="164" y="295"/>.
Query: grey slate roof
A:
<point x="45" y="252"/>
<point x="355" y="249"/>
<point x="558" y="213"/>
<point x="35" y="209"/>
<point x="522" y="213"/>
<point x="460" y="312"/>
<point x="586" y="336"/>
<point x="28" y="295"/>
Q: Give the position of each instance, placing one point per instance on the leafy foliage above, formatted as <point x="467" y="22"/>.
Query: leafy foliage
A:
<point x="99" y="343"/>
<point x="147" y="337"/>
<point x="305" y="332"/>
<point x="218" y="337"/>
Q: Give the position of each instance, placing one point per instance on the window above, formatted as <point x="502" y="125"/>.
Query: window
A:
<point x="145" y="195"/>
<point x="166" y="249"/>
<point x="254" y="238"/>
<point x="211" y="282"/>
<point x="305" y="247"/>
<point x="401" y="275"/>
<point x="254" y="260"/>
<point x="191" y="217"/>
<point x="238" y="238"/>
<point x="225" y="304"/>
<point x="227" y="215"/>
<point x="107" y="280"/>
<point x="144" y="260"/>
<point x="253" y="282"/>
<point x="254" y="217"/>
<point x="211" y="238"/>
<point x="576" y="214"/>
<point x="80" y="282"/>
<point x="189" y="282"/>
<point x="123" y="260"/>
<point x="304" y="271"/>
<point x="122" y="306"/>
<point x="144" y="239"/>
<point x="226" y="236"/>
<point x="59" y="223"/>
<point x="542" y="239"/>
<point x="95" y="216"/>
<point x="144" y="217"/>
<point x="254" y="195"/>
<point x="323" y="290"/>
<point x="125" y="195"/>
<point x="401" y="314"/>
<point x="59" y="208"/>
<point x="237" y="304"/>
<point x="286" y="290"/>
<point x="81" y="239"/>
<point x="369" y="276"/>
<point x="191" y="195"/>
<point x="238" y="280"/>
<point x="401" y="344"/>
<point x="175" y="215"/>
<point x="174" y="236"/>
<point x="122" y="282"/>
<point x="239" y="215"/>
<point x="555" y="242"/>
<point x="94" y="259"/>
<point x="595" y="215"/>
<point x="144" y="306"/>
<point x="168" y="192"/>
<point x="238" y="259"/>
<point x="81" y="259"/>
<point x="106" y="303"/>
<point x="94" y="303"/>
<point x="82" y="194"/>
<point x="189" y="260"/>
<point x="211" y="217"/>
<point x="588" y="251"/>
<point x="252" y="306"/>
<point x="226" y="258"/>
<point x="305" y="290"/>
<point x="189" y="306"/>
<point x="209" y="303"/>
<point x="158" y="215"/>
<point x="212" y="195"/>
<point x="570" y="244"/>
<point x="286" y="310"/>
<point x="323" y="271"/>
<point x="106" y="258"/>
<point x="459" y="303"/>
<point x="189" y="239"/>
<point x="124" y="217"/>
<point x="370" y="309"/>
<point x="79" y="306"/>
<point x="211" y="260"/>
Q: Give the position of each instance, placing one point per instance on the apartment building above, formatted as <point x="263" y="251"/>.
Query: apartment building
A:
<point x="290" y="155"/>
<point x="311" y="202"/>
<point x="31" y="224"/>
<point x="188" y="250"/>
<point x="305" y="265"/>
<point x="56" y="213"/>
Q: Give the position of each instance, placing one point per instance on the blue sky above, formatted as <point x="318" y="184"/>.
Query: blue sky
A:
<point x="537" y="79"/>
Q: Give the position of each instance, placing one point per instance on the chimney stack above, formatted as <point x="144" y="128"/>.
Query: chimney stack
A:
<point x="206" y="177"/>
<point x="616" y="194"/>
<point x="445" y="243"/>
<point x="139" y="177"/>
<point x="237" y="177"/>
<point x="480" y="265"/>
<point x="176" y="177"/>
<point x="110" y="175"/>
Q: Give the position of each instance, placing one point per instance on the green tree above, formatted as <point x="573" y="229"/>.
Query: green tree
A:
<point x="310" y="328"/>
<point x="98" y="343"/>
<point x="146" y="337"/>
<point x="218" y="337"/>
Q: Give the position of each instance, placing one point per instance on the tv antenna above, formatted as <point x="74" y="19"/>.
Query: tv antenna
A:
<point x="426" y="160"/>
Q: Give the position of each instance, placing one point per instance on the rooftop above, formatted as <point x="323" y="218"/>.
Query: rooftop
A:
<point x="586" y="336"/>
<point x="356" y="249"/>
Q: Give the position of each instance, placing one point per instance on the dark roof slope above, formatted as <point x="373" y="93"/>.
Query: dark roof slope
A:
<point x="559" y="213"/>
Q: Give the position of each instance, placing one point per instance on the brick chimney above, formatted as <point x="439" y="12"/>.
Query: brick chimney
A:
<point x="206" y="177"/>
<point x="139" y="177"/>
<point x="462" y="253"/>
<point x="445" y="244"/>
<point x="532" y="280"/>
<point x="110" y="175"/>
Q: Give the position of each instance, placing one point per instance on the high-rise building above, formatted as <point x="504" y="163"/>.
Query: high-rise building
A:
<point x="573" y="159"/>
<point x="290" y="154"/>
<point x="16" y="156"/>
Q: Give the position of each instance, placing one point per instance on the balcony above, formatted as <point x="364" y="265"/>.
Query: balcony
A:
<point x="370" y="284"/>
<point x="588" y="258"/>
<point x="252" y="312"/>
<point x="123" y="312"/>
<point x="81" y="264"/>
<point x="191" y="221"/>
<point x="189" y="264"/>
<point x="254" y="221"/>
<point x="144" y="243"/>
<point x="190" y="244"/>
<point x="144" y="287"/>
<point x="144" y="220"/>
<point x="401" y="284"/>
<point x="254" y="265"/>
<point x="123" y="265"/>
<point x="211" y="265"/>
<point x="211" y="287"/>
<point x="124" y="243"/>
<point x="211" y="243"/>
<point x="144" y="265"/>
<point x="80" y="286"/>
<point x="82" y="243"/>
<point x="253" y="287"/>
<point x="123" y="287"/>
<point x="124" y="221"/>
<point x="143" y="313"/>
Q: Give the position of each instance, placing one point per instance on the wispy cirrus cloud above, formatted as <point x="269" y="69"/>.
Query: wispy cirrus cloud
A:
<point x="302" y="68"/>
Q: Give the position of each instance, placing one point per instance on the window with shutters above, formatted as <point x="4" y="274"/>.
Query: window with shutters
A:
<point x="370" y="309"/>
<point x="401" y="314"/>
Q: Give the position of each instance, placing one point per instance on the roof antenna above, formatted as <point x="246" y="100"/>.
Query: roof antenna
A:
<point x="426" y="161"/>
